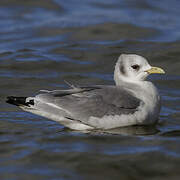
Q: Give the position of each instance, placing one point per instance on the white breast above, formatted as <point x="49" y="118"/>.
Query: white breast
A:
<point x="148" y="112"/>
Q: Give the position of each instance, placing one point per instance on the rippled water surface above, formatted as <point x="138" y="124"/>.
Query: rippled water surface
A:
<point x="43" y="43"/>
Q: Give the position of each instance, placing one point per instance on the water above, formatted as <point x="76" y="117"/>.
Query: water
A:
<point x="43" y="43"/>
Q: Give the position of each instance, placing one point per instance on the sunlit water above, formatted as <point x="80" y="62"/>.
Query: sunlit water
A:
<point x="43" y="43"/>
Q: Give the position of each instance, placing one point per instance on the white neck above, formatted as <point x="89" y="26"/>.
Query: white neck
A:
<point x="133" y="84"/>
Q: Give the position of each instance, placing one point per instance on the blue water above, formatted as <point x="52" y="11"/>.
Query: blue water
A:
<point x="43" y="43"/>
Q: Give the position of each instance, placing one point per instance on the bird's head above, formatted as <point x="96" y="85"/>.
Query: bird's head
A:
<point x="132" y="67"/>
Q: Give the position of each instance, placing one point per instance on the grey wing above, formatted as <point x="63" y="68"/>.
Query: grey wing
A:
<point x="82" y="103"/>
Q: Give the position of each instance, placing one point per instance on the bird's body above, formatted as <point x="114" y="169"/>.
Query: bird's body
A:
<point x="132" y="101"/>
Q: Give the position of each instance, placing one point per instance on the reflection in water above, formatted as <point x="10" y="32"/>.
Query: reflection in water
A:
<point x="175" y="133"/>
<point x="134" y="130"/>
<point x="129" y="130"/>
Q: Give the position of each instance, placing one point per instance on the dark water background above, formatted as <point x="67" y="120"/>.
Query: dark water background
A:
<point x="43" y="43"/>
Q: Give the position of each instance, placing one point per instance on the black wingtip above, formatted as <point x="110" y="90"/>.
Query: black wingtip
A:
<point x="17" y="100"/>
<point x="11" y="100"/>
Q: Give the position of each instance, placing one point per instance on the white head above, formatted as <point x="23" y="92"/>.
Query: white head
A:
<point x="132" y="67"/>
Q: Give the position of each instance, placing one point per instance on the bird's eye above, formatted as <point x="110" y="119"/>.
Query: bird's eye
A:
<point x="136" y="67"/>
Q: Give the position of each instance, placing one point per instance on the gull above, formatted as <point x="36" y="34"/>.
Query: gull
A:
<point x="131" y="101"/>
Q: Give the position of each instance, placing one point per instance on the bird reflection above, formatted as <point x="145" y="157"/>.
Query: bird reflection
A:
<point x="129" y="130"/>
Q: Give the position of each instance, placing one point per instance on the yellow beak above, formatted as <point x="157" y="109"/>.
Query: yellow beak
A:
<point x="155" y="70"/>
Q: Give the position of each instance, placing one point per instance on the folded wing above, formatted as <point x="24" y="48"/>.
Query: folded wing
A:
<point x="80" y="104"/>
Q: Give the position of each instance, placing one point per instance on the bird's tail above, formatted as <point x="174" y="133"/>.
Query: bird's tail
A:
<point x="19" y="101"/>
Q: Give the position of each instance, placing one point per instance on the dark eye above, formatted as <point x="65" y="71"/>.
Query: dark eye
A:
<point x="136" y="67"/>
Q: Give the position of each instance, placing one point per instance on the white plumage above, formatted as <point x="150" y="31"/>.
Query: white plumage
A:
<point x="132" y="101"/>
